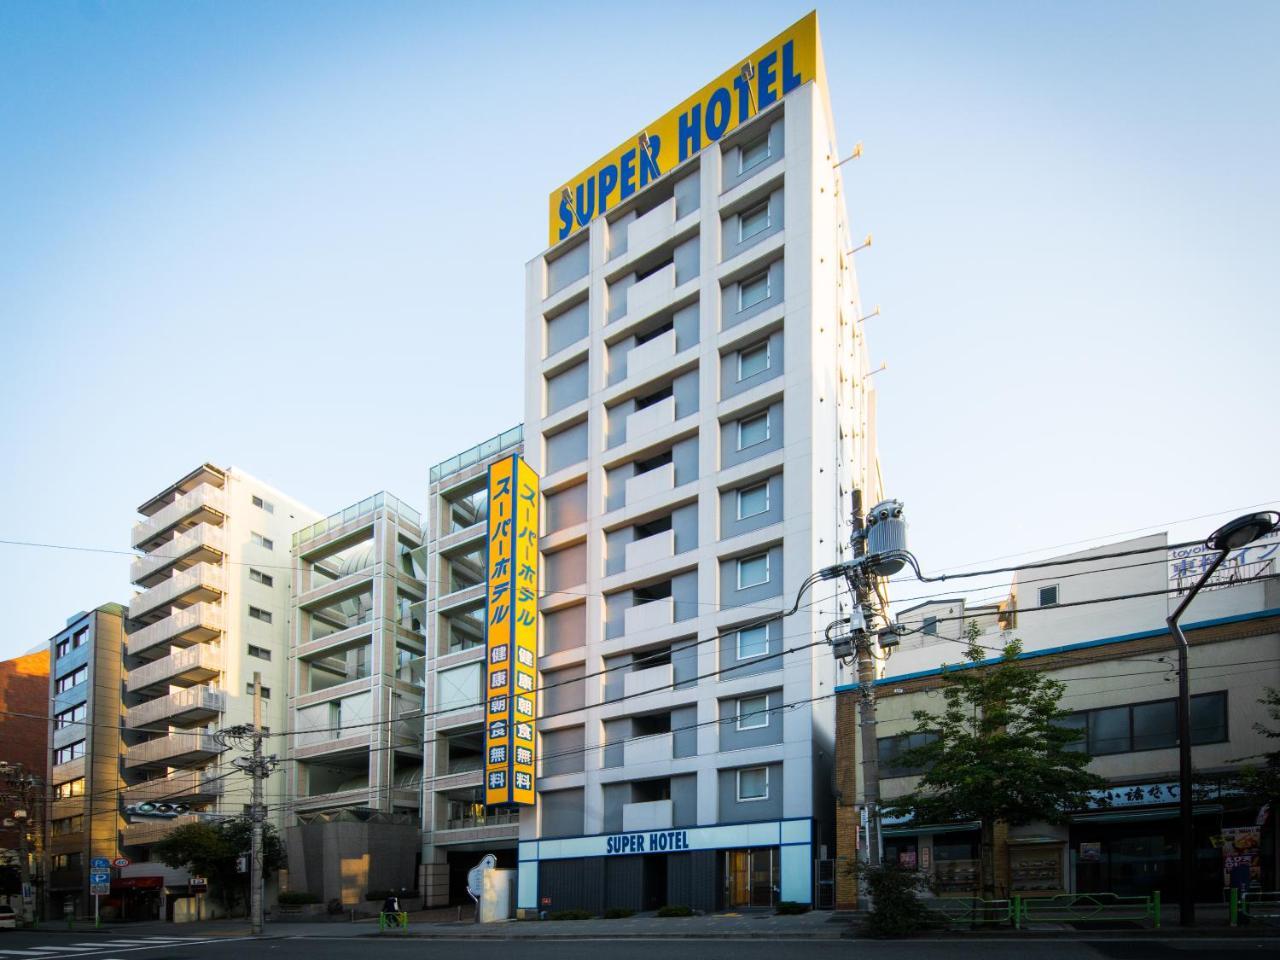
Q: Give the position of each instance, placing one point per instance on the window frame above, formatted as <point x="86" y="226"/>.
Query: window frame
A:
<point x="765" y="275"/>
<point x="1082" y="745"/>
<point x="266" y="506"/>
<point x="743" y="164"/>
<point x="70" y="750"/>
<point x="257" y="576"/>
<point x="929" y="627"/>
<point x="755" y="556"/>
<point x="738" y="783"/>
<point x="71" y="716"/>
<point x="255" y="651"/>
<point x="763" y="484"/>
<point x="258" y="540"/>
<point x="761" y="207"/>
<point x="752" y="714"/>
<point x="69" y="681"/>
<point x="738" y="642"/>
<point x="260" y="614"/>
<point x="767" y="347"/>
<point x="768" y="429"/>
<point x="1057" y="595"/>
<point x="266" y="691"/>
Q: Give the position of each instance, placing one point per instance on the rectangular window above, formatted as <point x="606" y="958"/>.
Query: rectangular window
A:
<point x="262" y="653"/>
<point x="72" y="679"/>
<point x="72" y="788"/>
<point x="1155" y="725"/>
<point x="753" y="712"/>
<point x="257" y="576"/>
<point x="753" y="501"/>
<point x="753" y="290"/>
<point x="72" y="751"/>
<point x="753" y="642"/>
<point x="753" y="152"/>
<point x="266" y="691"/>
<point x="891" y="749"/>
<point x="65" y="825"/>
<point x="753" y="430"/>
<point x="753" y="571"/>
<point x="1147" y="726"/>
<point x="753" y="784"/>
<point x="1049" y="596"/>
<point x="1209" y="718"/>
<point x="80" y="638"/>
<point x="1109" y="731"/>
<point x="64" y="647"/>
<point x="259" y="540"/>
<point x="930" y="627"/>
<point x="753" y="360"/>
<point x="259" y="614"/>
<point x="753" y="221"/>
<point x="66" y="718"/>
<point x="265" y="505"/>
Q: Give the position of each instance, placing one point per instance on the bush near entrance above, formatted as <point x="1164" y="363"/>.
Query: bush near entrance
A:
<point x="896" y="910"/>
<point x="570" y="915"/>
<point x="618" y="913"/>
<point x="675" y="910"/>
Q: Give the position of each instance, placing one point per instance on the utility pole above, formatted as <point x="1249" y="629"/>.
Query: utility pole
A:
<point x="25" y="787"/>
<point x="258" y="767"/>
<point x="866" y="665"/>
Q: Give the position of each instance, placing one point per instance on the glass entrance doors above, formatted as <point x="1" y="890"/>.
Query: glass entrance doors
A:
<point x="751" y="878"/>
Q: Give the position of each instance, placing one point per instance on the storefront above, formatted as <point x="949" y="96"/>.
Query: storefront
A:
<point x="734" y="867"/>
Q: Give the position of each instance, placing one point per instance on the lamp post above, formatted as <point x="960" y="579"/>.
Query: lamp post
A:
<point x="1238" y="533"/>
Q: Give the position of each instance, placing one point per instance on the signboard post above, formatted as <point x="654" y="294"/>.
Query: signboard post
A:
<point x="99" y="884"/>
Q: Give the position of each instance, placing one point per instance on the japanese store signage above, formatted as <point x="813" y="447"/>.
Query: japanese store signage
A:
<point x="762" y="78"/>
<point x="1187" y="564"/>
<point x="511" y="634"/>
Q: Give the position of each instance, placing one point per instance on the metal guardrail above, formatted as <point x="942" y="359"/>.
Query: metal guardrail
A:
<point x="1077" y="907"/>
<point x="393" y="921"/>
<point x="1261" y="905"/>
<point x="363" y="508"/>
<point x="481" y="451"/>
<point x="971" y="911"/>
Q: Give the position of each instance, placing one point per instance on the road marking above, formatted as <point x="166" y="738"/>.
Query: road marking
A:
<point x="131" y="948"/>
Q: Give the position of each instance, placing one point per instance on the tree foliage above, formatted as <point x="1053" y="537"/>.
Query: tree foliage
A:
<point x="896" y="908"/>
<point x="211" y="850"/>
<point x="1000" y="753"/>
<point x="1261" y="781"/>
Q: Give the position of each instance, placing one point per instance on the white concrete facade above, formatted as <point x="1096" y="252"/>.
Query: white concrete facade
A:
<point x="697" y="405"/>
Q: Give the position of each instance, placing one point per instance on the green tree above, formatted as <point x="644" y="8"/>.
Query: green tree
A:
<point x="211" y="850"/>
<point x="1261" y="782"/>
<point x="999" y="755"/>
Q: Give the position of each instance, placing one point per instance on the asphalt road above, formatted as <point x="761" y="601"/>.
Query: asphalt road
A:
<point x="44" y="946"/>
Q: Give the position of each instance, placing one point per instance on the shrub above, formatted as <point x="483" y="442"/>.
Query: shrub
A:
<point x="896" y="909"/>
<point x="675" y="910"/>
<point x="293" y="898"/>
<point x="618" y="913"/>
<point x="570" y="915"/>
<point x="786" y="907"/>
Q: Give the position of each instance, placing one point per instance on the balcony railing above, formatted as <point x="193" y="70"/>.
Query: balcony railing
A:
<point x="467" y="821"/>
<point x="168" y="750"/>
<point x="203" y="536"/>
<point x="203" y="498"/>
<point x="188" y="705"/>
<point x="198" y="621"/>
<point x="180" y="786"/>
<point x="378" y="501"/>
<point x="193" y="664"/>
<point x="201" y="576"/>
<point x="479" y="453"/>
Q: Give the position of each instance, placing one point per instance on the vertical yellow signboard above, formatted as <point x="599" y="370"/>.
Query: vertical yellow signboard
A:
<point x="511" y="634"/>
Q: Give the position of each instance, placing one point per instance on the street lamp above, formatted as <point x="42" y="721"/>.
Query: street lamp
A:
<point x="1238" y="533"/>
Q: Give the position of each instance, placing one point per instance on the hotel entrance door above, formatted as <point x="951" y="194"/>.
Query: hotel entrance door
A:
<point x="750" y="877"/>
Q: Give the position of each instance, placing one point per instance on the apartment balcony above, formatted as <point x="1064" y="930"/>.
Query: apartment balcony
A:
<point x="648" y="296"/>
<point x="647" y="231"/>
<point x="182" y="668"/>
<point x="652" y="483"/>
<point x="651" y="353"/>
<point x="649" y="616"/>
<point x="652" y="815"/>
<point x="182" y="707"/>
<point x="189" y="785"/>
<point x="175" y="749"/>
<point x="202" y="542"/>
<point x="473" y="821"/>
<point x="651" y="549"/>
<point x="202" y="582"/>
<point x="639" y="682"/>
<point x="651" y="419"/>
<point x="141" y="834"/>
<point x="655" y="749"/>
<point x="204" y="504"/>
<point x="194" y="624"/>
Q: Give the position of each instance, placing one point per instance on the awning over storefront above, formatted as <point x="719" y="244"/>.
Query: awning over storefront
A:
<point x="923" y="829"/>
<point x="1128" y="816"/>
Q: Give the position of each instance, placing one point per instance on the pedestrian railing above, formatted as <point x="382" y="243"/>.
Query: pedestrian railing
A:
<point x="1084" y="907"/>
<point x="393" y="921"/>
<point x="971" y="911"/>
<point x="1261" y="905"/>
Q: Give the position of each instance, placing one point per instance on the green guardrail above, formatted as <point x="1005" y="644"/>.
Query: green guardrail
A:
<point x="1261" y="905"/>
<point x="971" y="911"/>
<point x="393" y="921"/>
<point x="1077" y="907"/>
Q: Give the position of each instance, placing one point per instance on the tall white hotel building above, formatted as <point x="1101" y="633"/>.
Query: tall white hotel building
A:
<point x="698" y="408"/>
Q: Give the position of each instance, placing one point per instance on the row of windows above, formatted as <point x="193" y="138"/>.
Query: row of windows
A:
<point x="66" y="718"/>
<point x="257" y="613"/>
<point x="72" y="751"/>
<point x="73" y="642"/>
<point x="72" y="679"/>
<point x="70" y="789"/>
<point x="65" y="825"/>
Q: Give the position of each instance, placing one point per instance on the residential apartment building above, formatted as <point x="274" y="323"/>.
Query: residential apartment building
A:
<point x="86" y="775"/>
<point x="458" y="828"/>
<point x="24" y="704"/>
<point x="353" y="771"/>
<point x="698" y="408"/>
<point x="1119" y="664"/>
<point x="211" y="612"/>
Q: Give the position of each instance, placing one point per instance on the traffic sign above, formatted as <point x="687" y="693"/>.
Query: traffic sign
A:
<point x="100" y="889"/>
<point x="99" y="863"/>
<point x="96" y="877"/>
<point x="121" y="862"/>
<point x="198" y="884"/>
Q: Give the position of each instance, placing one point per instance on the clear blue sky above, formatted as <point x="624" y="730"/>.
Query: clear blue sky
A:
<point x="287" y="236"/>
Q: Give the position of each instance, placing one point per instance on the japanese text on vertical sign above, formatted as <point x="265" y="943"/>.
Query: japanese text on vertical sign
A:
<point x="511" y="633"/>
